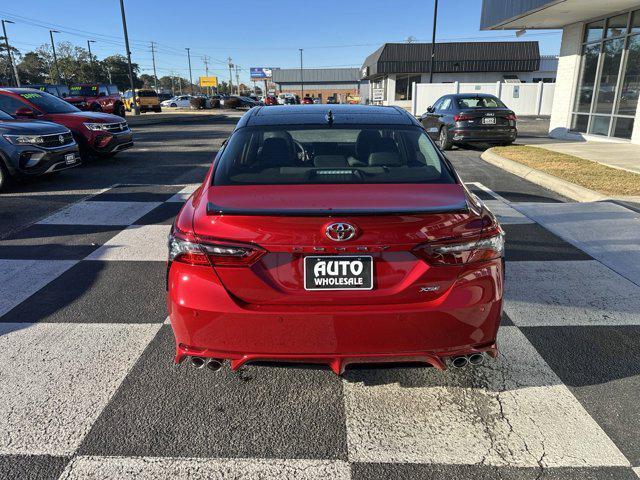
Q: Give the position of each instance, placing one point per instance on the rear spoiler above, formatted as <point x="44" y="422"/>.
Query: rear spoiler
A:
<point x="213" y="209"/>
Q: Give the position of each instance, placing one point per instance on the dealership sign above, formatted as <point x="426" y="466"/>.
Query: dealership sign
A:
<point x="261" y="73"/>
<point x="209" y="82"/>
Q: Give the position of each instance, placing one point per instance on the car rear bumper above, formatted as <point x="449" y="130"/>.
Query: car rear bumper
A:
<point x="208" y="322"/>
<point x="508" y="134"/>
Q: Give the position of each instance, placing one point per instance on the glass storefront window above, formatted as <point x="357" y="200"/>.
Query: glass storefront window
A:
<point x="612" y="53"/>
<point x="600" y="125"/>
<point x="587" y="79"/>
<point x="579" y="123"/>
<point x="593" y="32"/>
<point x="404" y="86"/>
<point x="623" y="127"/>
<point x="628" y="100"/>
<point x="617" y="26"/>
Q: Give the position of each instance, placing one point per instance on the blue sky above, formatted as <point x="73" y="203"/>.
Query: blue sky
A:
<point x="253" y="33"/>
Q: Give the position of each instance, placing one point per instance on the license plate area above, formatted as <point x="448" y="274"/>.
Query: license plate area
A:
<point x="70" y="158"/>
<point x="339" y="272"/>
<point x="489" y="120"/>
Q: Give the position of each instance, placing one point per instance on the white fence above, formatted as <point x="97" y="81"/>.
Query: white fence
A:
<point x="522" y="98"/>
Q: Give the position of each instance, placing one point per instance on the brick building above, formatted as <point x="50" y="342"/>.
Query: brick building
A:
<point x="320" y="83"/>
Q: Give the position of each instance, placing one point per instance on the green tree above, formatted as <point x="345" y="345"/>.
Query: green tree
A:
<point x="6" y="72"/>
<point x="33" y="68"/>
<point x="117" y="72"/>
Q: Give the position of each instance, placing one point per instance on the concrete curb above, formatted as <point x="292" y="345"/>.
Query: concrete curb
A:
<point x="567" y="189"/>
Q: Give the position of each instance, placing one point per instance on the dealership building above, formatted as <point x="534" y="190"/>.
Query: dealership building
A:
<point x="389" y="73"/>
<point x="598" y="81"/>
<point x="320" y="83"/>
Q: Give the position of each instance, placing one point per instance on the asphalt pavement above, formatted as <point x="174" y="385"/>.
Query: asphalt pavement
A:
<point x="88" y="388"/>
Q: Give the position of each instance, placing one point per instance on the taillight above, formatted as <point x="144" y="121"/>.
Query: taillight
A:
<point x="461" y="117"/>
<point x="512" y="116"/>
<point x="189" y="249"/>
<point x="456" y="253"/>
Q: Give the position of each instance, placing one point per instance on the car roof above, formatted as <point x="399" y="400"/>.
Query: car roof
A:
<point x="471" y="94"/>
<point x="313" y="114"/>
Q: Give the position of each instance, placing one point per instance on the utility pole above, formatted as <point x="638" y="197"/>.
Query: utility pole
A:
<point x="433" y="40"/>
<point x="238" y="80"/>
<point x="55" y="58"/>
<point x="301" y="77"/>
<point x="190" y="77"/>
<point x="205" y="59"/>
<point x="173" y="85"/>
<point x="136" y="109"/>
<point x="229" y="62"/>
<point x="153" y="59"/>
<point x="11" y="62"/>
<point x="89" y="42"/>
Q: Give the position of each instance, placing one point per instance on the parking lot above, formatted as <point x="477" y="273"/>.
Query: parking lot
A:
<point x="90" y="390"/>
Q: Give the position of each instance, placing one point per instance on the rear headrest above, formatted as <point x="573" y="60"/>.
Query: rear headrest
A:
<point x="368" y="141"/>
<point x="384" y="159"/>
<point x="275" y="152"/>
<point x="330" y="161"/>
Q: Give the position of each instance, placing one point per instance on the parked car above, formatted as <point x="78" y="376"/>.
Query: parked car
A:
<point x="146" y="99"/>
<point x="181" y="101"/>
<point x="271" y="100"/>
<point x="165" y="96"/>
<point x="464" y="117"/>
<point x="98" y="97"/>
<point x="96" y="133"/>
<point x="30" y="148"/>
<point x="307" y="100"/>
<point x="60" y="91"/>
<point x="344" y="221"/>
<point x="287" y="98"/>
<point x="333" y="100"/>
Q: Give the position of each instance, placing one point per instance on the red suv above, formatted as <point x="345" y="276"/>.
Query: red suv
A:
<point x="334" y="234"/>
<point x="98" y="97"/>
<point x="96" y="133"/>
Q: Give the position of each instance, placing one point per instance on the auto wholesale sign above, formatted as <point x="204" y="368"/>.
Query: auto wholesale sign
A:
<point x="260" y="73"/>
<point x="209" y="82"/>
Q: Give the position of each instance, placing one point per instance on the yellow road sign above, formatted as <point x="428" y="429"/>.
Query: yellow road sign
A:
<point x="208" y="81"/>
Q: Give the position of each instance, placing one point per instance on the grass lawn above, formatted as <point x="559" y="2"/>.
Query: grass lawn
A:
<point x="592" y="175"/>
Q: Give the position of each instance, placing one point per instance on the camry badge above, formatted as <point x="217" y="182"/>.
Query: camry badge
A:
<point x="340" y="232"/>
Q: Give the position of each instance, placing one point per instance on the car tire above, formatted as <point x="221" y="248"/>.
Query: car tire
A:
<point x="444" y="142"/>
<point x="5" y="179"/>
<point x="120" y="110"/>
<point x="173" y="105"/>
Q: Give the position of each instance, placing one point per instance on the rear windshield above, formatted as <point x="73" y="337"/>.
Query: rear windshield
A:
<point x="276" y="155"/>
<point x="147" y="93"/>
<point x="48" y="103"/>
<point x="479" y="102"/>
<point x="84" y="90"/>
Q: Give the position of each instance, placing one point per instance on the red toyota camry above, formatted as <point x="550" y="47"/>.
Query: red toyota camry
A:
<point x="334" y="234"/>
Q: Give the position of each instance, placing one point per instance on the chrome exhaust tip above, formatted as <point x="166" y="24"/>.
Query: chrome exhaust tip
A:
<point x="459" y="362"/>
<point x="198" y="362"/>
<point x="214" y="364"/>
<point x="476" y="359"/>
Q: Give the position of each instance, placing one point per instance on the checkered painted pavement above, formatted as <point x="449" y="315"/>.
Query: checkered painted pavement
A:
<point x="88" y="388"/>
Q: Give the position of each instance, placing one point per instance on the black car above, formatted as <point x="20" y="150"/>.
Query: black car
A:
<point x="464" y="118"/>
<point x="30" y="148"/>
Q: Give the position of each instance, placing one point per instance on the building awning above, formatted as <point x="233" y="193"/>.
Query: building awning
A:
<point x="453" y="57"/>
<point x="543" y="14"/>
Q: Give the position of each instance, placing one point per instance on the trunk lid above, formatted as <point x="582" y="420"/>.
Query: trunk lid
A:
<point x="290" y="222"/>
<point x="477" y="117"/>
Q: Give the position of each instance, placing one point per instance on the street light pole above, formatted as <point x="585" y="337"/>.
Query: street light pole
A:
<point x="229" y="62"/>
<point x="301" y="77"/>
<point x="136" y="109"/>
<point x="55" y="58"/>
<point x="190" y="77"/>
<point x="11" y="62"/>
<point x="433" y="40"/>
<point x="89" y="42"/>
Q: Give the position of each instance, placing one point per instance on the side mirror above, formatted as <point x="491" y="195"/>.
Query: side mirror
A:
<point x="102" y="94"/>
<point x="430" y="109"/>
<point x="24" y="112"/>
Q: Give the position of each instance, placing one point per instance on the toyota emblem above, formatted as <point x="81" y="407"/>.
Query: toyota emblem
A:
<point x="340" y="232"/>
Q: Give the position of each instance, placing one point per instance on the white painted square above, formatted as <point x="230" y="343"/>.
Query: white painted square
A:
<point x="511" y="412"/>
<point x="19" y="279"/>
<point x="608" y="232"/>
<point x="184" y="194"/>
<point x="101" y="213"/>
<point x="506" y="215"/>
<point x="55" y="380"/>
<point x="569" y="293"/>
<point x="135" y="243"/>
<point x="160" y="468"/>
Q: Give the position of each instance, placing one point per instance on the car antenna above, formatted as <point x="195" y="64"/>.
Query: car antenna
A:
<point x="329" y="117"/>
